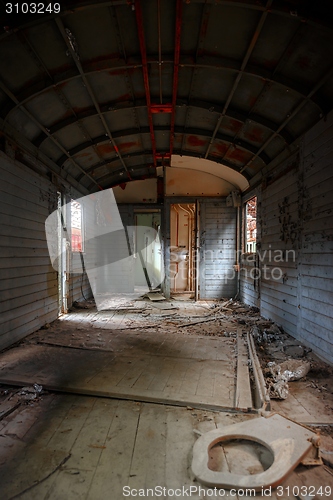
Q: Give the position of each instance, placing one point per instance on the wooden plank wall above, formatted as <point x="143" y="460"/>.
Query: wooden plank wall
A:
<point x="278" y="252"/>
<point x="28" y="285"/>
<point x="296" y="217"/>
<point x="248" y="283"/>
<point x="217" y="250"/>
<point x="316" y="263"/>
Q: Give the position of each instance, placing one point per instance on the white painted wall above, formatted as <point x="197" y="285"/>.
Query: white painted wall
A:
<point x="187" y="182"/>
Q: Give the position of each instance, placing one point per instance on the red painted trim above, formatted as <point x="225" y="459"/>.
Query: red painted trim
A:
<point x="161" y="108"/>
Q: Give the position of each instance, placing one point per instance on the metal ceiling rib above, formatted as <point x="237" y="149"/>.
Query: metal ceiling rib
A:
<point x="44" y="70"/>
<point x="240" y="73"/>
<point x="203" y="63"/>
<point x="291" y="115"/>
<point x="134" y="105"/>
<point x="70" y="44"/>
<point x="46" y="132"/>
<point x="145" y="130"/>
<point x="234" y="81"/>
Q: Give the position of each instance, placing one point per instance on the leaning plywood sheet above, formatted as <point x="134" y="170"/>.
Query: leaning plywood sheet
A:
<point x="192" y="371"/>
<point x="155" y="296"/>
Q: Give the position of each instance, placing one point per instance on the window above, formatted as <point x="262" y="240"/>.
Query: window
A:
<point x="250" y="225"/>
<point x="76" y="226"/>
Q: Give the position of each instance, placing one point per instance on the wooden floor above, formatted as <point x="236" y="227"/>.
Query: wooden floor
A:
<point x="87" y="352"/>
<point x="70" y="446"/>
<point x="144" y="366"/>
<point x="91" y="448"/>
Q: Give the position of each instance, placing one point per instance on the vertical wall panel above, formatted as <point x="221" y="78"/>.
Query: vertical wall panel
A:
<point x="217" y="250"/>
<point x="316" y="262"/>
<point x="278" y="250"/>
<point x="28" y="287"/>
<point x="296" y="217"/>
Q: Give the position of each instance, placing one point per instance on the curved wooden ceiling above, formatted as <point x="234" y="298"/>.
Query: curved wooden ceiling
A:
<point x="110" y="90"/>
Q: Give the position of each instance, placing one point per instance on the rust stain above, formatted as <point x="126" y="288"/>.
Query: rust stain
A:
<point x="124" y="97"/>
<point x="238" y="155"/>
<point x="233" y="125"/>
<point x="125" y="146"/>
<point x="194" y="141"/>
<point x="82" y="155"/>
<point x="255" y="134"/>
<point x="303" y="62"/>
<point x="105" y="149"/>
<point x="221" y="148"/>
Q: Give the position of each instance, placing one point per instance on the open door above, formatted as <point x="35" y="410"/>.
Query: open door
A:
<point x="182" y="248"/>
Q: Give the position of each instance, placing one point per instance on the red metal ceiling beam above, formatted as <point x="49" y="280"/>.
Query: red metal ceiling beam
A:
<point x="161" y="108"/>
<point x="141" y="34"/>
<point x="175" y="71"/>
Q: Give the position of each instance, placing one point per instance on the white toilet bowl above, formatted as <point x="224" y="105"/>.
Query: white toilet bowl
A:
<point x="288" y="442"/>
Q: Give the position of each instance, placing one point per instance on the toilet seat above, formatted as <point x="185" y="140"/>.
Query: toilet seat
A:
<point x="289" y="443"/>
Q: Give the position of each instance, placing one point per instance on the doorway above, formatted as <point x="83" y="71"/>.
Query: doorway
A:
<point x="182" y="248"/>
<point x="63" y="253"/>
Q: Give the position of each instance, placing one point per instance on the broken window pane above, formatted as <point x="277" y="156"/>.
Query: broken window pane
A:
<point x="250" y="225"/>
<point x="76" y="226"/>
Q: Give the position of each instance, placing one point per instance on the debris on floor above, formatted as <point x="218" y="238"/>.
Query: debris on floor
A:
<point x="292" y="370"/>
<point x="278" y="376"/>
<point x="11" y="398"/>
<point x="131" y="325"/>
<point x="31" y="392"/>
<point x="83" y="304"/>
<point x="97" y="330"/>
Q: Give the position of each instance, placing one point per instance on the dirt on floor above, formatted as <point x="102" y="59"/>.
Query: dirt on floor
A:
<point x="308" y="400"/>
<point x="213" y="319"/>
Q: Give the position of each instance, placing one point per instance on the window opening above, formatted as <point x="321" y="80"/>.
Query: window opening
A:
<point x="251" y="225"/>
<point x="76" y="226"/>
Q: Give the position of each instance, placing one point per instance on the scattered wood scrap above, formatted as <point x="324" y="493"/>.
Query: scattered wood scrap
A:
<point x="155" y="296"/>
